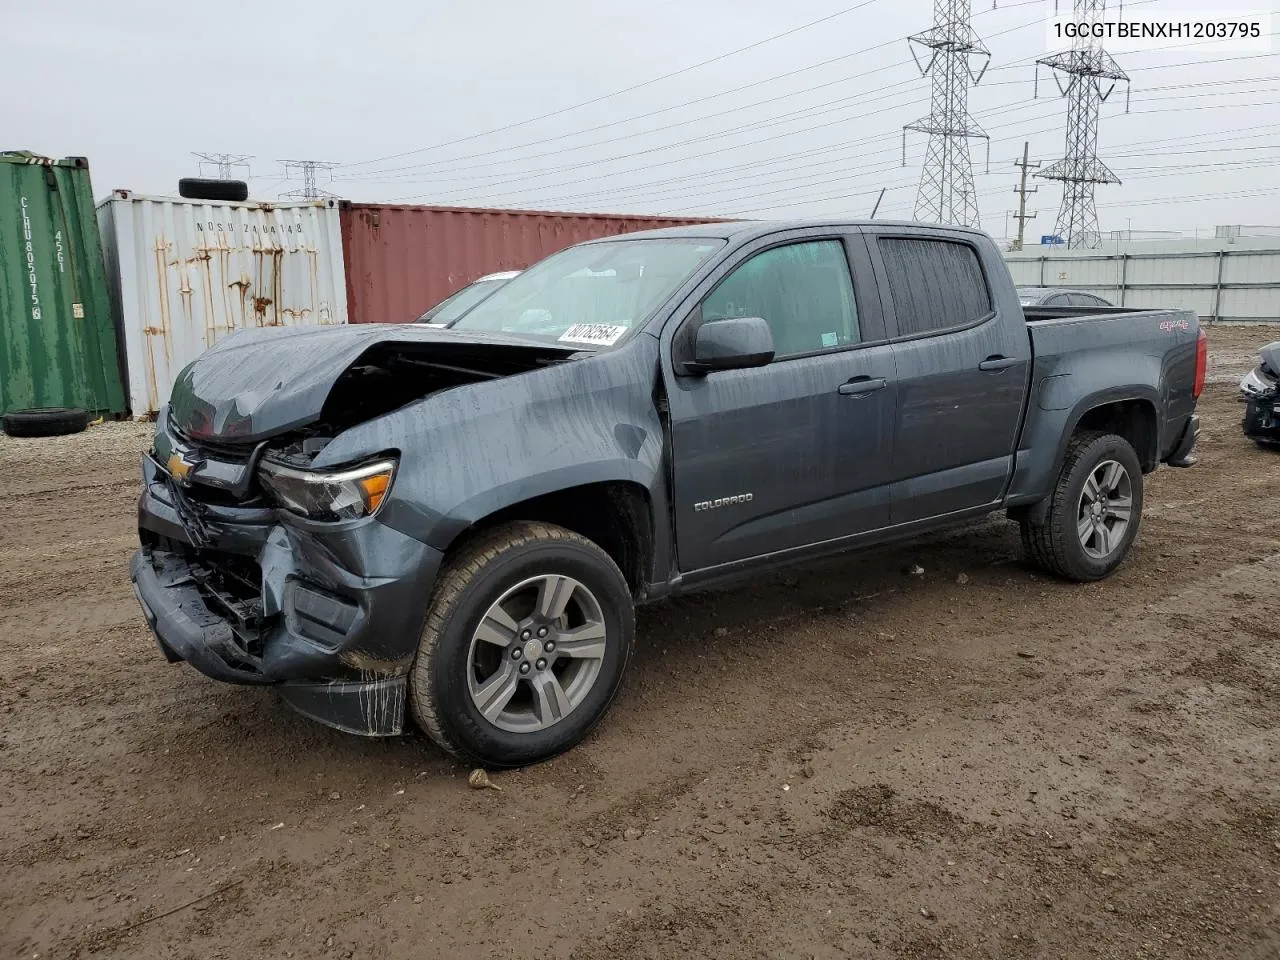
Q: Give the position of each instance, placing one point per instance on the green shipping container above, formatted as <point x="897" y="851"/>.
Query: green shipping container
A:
<point x="57" y="333"/>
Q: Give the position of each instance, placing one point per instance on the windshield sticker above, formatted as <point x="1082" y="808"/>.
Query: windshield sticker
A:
<point x="596" y="334"/>
<point x="830" y="340"/>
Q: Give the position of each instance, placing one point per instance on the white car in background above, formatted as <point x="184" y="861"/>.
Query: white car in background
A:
<point x="451" y="308"/>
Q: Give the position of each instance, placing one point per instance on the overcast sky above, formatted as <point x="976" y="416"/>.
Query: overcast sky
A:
<point x="136" y="85"/>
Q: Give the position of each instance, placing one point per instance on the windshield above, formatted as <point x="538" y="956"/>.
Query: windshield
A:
<point x="592" y="294"/>
<point x="451" y="308"/>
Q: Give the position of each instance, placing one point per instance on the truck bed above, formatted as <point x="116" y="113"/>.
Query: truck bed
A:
<point x="1037" y="314"/>
<point x="1083" y="356"/>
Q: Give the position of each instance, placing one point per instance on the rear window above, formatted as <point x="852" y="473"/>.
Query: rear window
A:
<point x="935" y="284"/>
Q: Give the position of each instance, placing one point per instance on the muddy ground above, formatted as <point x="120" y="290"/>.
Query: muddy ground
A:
<point x="841" y="761"/>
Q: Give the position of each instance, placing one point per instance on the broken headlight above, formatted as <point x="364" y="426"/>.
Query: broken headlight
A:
<point x="1256" y="383"/>
<point x="348" y="493"/>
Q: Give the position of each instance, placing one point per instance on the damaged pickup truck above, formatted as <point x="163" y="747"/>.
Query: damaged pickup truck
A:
<point x="389" y="522"/>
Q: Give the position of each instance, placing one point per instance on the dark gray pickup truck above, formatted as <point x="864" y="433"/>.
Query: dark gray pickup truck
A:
<point x="456" y="524"/>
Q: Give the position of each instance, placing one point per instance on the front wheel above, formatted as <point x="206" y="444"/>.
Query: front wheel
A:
<point x="1094" y="510"/>
<point x="528" y="635"/>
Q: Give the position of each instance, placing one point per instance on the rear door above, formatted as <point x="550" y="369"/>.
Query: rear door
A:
<point x="799" y="451"/>
<point x="962" y="373"/>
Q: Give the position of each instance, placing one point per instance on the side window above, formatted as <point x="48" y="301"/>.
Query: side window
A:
<point x="935" y="284"/>
<point x="802" y="290"/>
<point x="1061" y="300"/>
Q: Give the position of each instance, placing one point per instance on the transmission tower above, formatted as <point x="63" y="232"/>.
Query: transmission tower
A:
<point x="224" y="162"/>
<point x="1091" y="76"/>
<point x="946" y="192"/>
<point x="308" y="169"/>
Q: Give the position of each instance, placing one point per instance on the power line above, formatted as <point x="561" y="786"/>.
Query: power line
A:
<point x="1240" y="195"/>
<point x="825" y="107"/>
<point x="1010" y="108"/>
<point x="693" y="102"/>
<point x="630" y="89"/>
<point x="825" y="199"/>
<point x="813" y="111"/>
<point x="758" y="171"/>
<point x="757" y="125"/>
<point x="1152" y="99"/>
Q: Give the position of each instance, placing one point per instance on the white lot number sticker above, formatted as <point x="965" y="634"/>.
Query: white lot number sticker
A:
<point x="596" y="334"/>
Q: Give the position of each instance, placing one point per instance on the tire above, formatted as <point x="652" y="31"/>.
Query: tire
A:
<point x="446" y="680"/>
<point x="200" y="188"/>
<point x="1056" y="545"/>
<point x="45" y="421"/>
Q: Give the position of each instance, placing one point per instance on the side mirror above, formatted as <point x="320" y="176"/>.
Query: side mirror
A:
<point x="732" y="344"/>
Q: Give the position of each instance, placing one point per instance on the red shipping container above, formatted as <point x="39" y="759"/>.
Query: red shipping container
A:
<point x="402" y="260"/>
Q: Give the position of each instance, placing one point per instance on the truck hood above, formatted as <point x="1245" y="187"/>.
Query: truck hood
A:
<point x="257" y="384"/>
<point x="1270" y="356"/>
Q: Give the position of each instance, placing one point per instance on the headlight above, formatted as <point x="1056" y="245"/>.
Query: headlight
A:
<point x="345" y="494"/>
<point x="1256" y="383"/>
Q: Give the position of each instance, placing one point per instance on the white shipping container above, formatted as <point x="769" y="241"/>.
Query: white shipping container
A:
<point x="186" y="273"/>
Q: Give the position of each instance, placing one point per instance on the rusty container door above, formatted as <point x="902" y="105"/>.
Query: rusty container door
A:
<point x="57" y="334"/>
<point x="403" y="260"/>
<point x="186" y="273"/>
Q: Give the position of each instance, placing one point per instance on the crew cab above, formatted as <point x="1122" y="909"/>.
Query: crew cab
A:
<point x="389" y="522"/>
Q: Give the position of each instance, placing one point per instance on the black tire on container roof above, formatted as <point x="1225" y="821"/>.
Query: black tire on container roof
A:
<point x="44" y="421"/>
<point x="203" y="188"/>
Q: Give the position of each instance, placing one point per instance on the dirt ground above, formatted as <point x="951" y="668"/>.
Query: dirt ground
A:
<point x="840" y="761"/>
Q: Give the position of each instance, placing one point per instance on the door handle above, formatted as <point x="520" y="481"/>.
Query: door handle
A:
<point x="996" y="364"/>
<point x="861" y="386"/>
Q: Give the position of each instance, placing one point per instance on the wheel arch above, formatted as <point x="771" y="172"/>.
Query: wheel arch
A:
<point x="616" y="514"/>
<point x="1130" y="412"/>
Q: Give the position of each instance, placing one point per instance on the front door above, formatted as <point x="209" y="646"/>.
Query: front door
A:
<point x="796" y="452"/>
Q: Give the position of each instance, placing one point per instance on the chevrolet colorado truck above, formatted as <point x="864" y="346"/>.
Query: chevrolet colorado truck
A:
<point x="390" y="522"/>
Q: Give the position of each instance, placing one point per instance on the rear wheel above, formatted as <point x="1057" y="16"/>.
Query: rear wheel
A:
<point x="1094" y="510"/>
<point x="528" y="635"/>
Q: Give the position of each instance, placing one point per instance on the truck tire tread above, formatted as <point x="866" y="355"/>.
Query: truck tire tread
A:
<point x="1047" y="544"/>
<point x="459" y="571"/>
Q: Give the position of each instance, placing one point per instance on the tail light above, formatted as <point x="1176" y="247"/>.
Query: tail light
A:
<point x="1202" y="361"/>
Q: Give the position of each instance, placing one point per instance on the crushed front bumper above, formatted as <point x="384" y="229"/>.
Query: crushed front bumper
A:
<point x="1261" y="421"/>
<point x="328" y="614"/>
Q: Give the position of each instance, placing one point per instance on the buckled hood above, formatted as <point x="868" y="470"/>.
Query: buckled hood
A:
<point x="259" y="383"/>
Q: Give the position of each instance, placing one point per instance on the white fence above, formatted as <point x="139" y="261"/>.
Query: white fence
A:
<point x="1223" y="285"/>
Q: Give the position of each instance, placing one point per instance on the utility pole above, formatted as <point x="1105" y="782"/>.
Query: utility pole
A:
<point x="1021" y="190"/>
<point x="224" y="162"/>
<point x="308" y="169"/>
<point x="946" y="192"/>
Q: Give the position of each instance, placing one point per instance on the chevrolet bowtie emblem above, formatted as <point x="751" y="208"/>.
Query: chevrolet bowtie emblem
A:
<point x="180" y="468"/>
